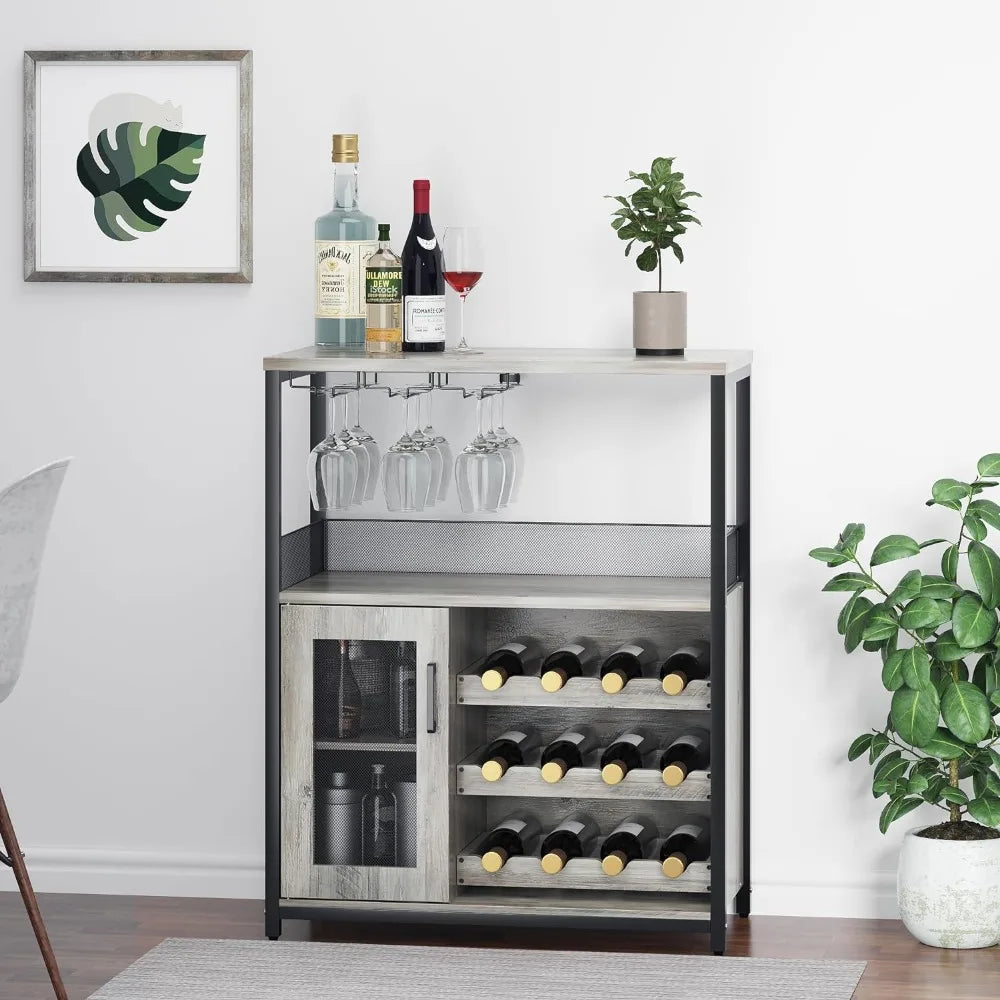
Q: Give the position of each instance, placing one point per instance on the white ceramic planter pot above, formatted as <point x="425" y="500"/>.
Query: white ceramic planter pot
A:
<point x="949" y="891"/>
<point x="659" y="322"/>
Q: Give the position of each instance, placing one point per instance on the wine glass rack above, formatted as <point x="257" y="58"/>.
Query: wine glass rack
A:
<point x="452" y="590"/>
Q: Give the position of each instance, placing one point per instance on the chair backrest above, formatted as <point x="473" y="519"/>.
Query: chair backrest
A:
<point x="25" y="512"/>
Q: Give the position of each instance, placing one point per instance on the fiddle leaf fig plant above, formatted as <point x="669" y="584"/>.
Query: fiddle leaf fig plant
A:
<point x="655" y="214"/>
<point x="936" y="636"/>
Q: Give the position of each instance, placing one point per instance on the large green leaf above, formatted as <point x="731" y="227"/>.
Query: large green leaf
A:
<point x="915" y="666"/>
<point x="135" y="174"/>
<point x="892" y="671"/>
<point x="920" y="613"/>
<point x="989" y="465"/>
<point x="954" y="795"/>
<point x="973" y="623"/>
<point x="894" y="547"/>
<point x="945" y="745"/>
<point x="950" y="489"/>
<point x="974" y="528"/>
<point x="860" y="746"/>
<point x="985" y="566"/>
<point x="832" y="557"/>
<point x="949" y="563"/>
<point x="852" y="536"/>
<point x="881" y="624"/>
<point x="986" y="810"/>
<point x="907" y="588"/>
<point x="915" y="714"/>
<point x="947" y="649"/>
<point x="986" y="676"/>
<point x="855" y="623"/>
<point x="880" y="743"/>
<point x="848" y="581"/>
<point x="938" y="587"/>
<point x="895" y="809"/>
<point x="966" y="711"/>
<point x="845" y="613"/>
<point x="986" y="510"/>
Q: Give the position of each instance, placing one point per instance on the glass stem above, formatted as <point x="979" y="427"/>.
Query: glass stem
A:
<point x="357" y="409"/>
<point x="339" y="412"/>
<point x="406" y="415"/>
<point x="481" y="416"/>
<point x="461" y="320"/>
<point x="331" y="415"/>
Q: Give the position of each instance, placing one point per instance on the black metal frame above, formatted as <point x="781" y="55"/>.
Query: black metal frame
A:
<point x="721" y="544"/>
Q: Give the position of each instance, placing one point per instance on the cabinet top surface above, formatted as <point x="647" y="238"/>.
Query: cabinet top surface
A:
<point x="517" y="359"/>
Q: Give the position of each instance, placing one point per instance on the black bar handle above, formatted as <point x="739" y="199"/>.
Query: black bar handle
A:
<point x="432" y="698"/>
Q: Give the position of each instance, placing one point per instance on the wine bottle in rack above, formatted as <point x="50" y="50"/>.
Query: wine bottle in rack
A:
<point x="625" y="754"/>
<point x="629" y="841"/>
<point x="511" y="837"/>
<point x="567" y="751"/>
<point x="572" y="660"/>
<point x="686" y="754"/>
<point x="574" y="837"/>
<point x="626" y="664"/>
<point x="513" y="659"/>
<point x="506" y="751"/>
<point x="687" y="844"/>
<point x="423" y="278"/>
<point x="689" y="663"/>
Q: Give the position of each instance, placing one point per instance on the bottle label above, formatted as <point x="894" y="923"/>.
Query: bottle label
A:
<point x="513" y="824"/>
<point x="635" y="739"/>
<point x="382" y="335"/>
<point x="575" y="738"/>
<point x="423" y="319"/>
<point x="636" y="829"/>
<point x="688" y="829"/>
<point x="573" y="826"/>
<point x="695" y="742"/>
<point x="574" y="649"/>
<point x="633" y="650"/>
<point x="340" y="276"/>
<point x="383" y="285"/>
<point x="514" y="735"/>
<point x="515" y="647"/>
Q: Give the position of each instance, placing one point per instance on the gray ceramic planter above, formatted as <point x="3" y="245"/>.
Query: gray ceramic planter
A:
<point x="659" y="322"/>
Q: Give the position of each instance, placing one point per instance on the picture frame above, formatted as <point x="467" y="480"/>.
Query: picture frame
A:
<point x="138" y="165"/>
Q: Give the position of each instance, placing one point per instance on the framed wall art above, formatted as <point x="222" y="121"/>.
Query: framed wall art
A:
<point x="138" y="166"/>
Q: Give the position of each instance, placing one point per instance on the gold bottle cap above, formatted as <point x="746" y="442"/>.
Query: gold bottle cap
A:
<point x="553" y="680"/>
<point x="494" y="860"/>
<point x="553" y="771"/>
<point x="674" y="774"/>
<point x="614" y="863"/>
<point x="494" y="769"/>
<point x="613" y="681"/>
<point x="493" y="679"/>
<point x="613" y="773"/>
<point x="675" y="865"/>
<point x="554" y="862"/>
<point x="345" y="148"/>
<point x="675" y="682"/>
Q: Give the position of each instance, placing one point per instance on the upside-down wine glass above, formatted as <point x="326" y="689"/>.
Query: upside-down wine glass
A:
<point x="511" y="442"/>
<point x="406" y="469"/>
<point x="462" y="248"/>
<point x="427" y="443"/>
<point x="479" y="470"/>
<point x="509" y="464"/>
<point x="444" y="449"/>
<point x="332" y="465"/>
<point x="370" y="445"/>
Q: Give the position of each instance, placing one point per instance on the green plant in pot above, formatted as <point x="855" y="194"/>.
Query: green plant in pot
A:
<point x="935" y="639"/>
<point x="655" y="215"/>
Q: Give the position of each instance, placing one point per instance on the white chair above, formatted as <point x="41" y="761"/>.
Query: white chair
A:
<point x="25" y="512"/>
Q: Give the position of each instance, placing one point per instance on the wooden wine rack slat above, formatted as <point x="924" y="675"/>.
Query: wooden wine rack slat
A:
<point x="581" y="873"/>
<point x="583" y="692"/>
<point x="582" y="783"/>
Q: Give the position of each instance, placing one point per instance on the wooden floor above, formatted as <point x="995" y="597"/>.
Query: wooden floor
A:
<point x="96" y="937"/>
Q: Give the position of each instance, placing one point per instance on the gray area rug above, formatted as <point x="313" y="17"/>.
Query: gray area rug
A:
<point x="302" y="970"/>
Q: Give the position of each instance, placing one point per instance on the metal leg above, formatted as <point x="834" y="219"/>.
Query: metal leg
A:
<point x="717" y="542"/>
<point x="16" y="861"/>
<point x="272" y="654"/>
<point x="743" y="519"/>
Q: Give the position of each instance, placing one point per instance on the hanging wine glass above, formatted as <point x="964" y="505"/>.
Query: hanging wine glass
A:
<point x="332" y="465"/>
<point x="370" y="445"/>
<point x="428" y="444"/>
<point x="462" y="248"/>
<point x="444" y="449"/>
<point x="479" y="470"/>
<point x="366" y="472"/>
<point x="406" y="469"/>
<point x="515" y="446"/>
<point x="509" y="465"/>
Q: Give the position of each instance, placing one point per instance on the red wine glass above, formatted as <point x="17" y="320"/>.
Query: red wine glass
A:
<point x="462" y="249"/>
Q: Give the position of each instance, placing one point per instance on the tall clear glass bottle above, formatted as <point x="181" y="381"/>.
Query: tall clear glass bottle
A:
<point x="345" y="240"/>
<point x="378" y="822"/>
<point x="384" y="298"/>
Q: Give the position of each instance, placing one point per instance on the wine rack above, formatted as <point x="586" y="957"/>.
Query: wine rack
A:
<point x="455" y="590"/>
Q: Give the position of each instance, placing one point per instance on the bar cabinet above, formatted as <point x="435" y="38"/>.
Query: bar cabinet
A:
<point x="401" y="611"/>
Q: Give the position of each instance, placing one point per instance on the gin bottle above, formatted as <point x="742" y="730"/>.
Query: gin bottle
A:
<point x="345" y="240"/>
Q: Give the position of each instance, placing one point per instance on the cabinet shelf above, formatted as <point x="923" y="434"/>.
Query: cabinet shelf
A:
<point x="499" y="590"/>
<point x="584" y="692"/>
<point x="641" y="784"/>
<point x="644" y="875"/>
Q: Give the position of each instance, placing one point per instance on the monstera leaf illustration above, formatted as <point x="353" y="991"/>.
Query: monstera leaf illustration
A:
<point x="137" y="182"/>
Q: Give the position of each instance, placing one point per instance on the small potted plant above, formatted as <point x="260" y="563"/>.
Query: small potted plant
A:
<point x="656" y="215"/>
<point x="936" y="636"/>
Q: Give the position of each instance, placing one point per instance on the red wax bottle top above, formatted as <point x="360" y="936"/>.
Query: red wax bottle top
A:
<point x="421" y="197"/>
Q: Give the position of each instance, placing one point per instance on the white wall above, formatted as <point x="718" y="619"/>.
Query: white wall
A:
<point x="847" y="153"/>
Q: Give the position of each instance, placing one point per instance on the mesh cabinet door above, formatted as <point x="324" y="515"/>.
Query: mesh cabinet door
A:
<point x="364" y="770"/>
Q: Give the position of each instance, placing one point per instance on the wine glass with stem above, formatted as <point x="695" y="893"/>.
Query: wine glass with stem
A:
<point x="505" y="453"/>
<point x="462" y="249"/>
<point x="516" y="448"/>
<point x="370" y="445"/>
<point x="479" y="469"/>
<point x="406" y="468"/>
<point x="444" y="449"/>
<point x="333" y="465"/>
<point x="366" y="472"/>
<point x="433" y="451"/>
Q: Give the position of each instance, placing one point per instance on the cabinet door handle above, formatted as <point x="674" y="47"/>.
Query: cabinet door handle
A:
<point x="432" y="697"/>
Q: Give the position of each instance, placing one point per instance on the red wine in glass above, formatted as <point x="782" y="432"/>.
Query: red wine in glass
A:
<point x="462" y="281"/>
<point x="463" y="266"/>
